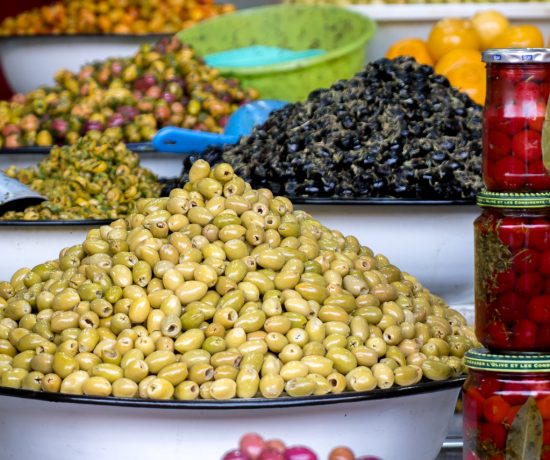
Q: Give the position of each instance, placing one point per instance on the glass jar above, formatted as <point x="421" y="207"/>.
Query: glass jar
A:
<point x="518" y="85"/>
<point x="506" y="406"/>
<point x="512" y="272"/>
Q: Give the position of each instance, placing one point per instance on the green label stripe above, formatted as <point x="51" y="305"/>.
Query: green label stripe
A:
<point x="510" y="200"/>
<point x="507" y="366"/>
<point x="519" y="363"/>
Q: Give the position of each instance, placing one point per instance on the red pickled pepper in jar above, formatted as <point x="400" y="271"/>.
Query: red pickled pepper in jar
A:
<point x="501" y="394"/>
<point x="512" y="272"/>
<point x="518" y="87"/>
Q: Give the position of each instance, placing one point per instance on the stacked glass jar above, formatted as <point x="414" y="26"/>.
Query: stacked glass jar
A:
<point x="507" y="394"/>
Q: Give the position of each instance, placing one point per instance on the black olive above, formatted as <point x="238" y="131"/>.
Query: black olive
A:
<point x="394" y="129"/>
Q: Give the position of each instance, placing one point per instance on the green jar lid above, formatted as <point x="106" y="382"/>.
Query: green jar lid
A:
<point x="483" y="360"/>
<point x="513" y="200"/>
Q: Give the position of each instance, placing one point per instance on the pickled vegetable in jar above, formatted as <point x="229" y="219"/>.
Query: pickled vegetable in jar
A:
<point x="518" y="85"/>
<point x="512" y="272"/>
<point x="506" y="406"/>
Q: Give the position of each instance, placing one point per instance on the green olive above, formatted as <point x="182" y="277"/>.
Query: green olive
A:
<point x="271" y="386"/>
<point x="436" y="370"/>
<point x="125" y="388"/>
<point x="407" y="375"/>
<point x="384" y="375"/>
<point x="361" y="379"/>
<point x="187" y="391"/>
<point x="248" y="382"/>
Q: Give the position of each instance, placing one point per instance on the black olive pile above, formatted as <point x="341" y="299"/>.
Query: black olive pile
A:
<point x="395" y="129"/>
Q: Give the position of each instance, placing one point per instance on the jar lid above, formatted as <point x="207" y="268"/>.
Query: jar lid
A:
<point x="513" y="200"/>
<point x="483" y="360"/>
<point x="516" y="55"/>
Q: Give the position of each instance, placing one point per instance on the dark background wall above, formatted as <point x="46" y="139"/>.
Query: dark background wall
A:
<point x="11" y="8"/>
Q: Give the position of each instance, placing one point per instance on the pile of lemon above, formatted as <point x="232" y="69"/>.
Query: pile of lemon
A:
<point x="454" y="47"/>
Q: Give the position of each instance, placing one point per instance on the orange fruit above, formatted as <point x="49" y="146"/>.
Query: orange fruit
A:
<point x="455" y="58"/>
<point x="452" y="33"/>
<point x="524" y="36"/>
<point x="414" y="47"/>
<point x="470" y="78"/>
<point x="489" y="24"/>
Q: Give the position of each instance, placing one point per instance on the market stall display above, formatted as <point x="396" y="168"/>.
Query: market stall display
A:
<point x="124" y="99"/>
<point x="394" y="130"/>
<point x="110" y="16"/>
<point x="222" y="307"/>
<point x="152" y="307"/>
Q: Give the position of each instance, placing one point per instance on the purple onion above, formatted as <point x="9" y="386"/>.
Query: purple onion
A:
<point x="271" y="454"/>
<point x="92" y="125"/>
<point x="60" y="126"/>
<point x="253" y="444"/>
<point x="236" y="455"/>
<point x="300" y="453"/>
<point x="116" y="120"/>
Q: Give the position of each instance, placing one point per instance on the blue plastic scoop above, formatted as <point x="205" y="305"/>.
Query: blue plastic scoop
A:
<point x="240" y="123"/>
<point x="16" y="196"/>
<point x="258" y="55"/>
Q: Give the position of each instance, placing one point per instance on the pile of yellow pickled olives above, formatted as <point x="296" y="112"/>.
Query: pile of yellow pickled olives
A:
<point x="88" y="180"/>
<point x="221" y="291"/>
<point x="112" y="16"/>
<point x="124" y="99"/>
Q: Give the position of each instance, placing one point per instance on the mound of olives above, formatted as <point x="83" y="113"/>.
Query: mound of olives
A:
<point x="124" y="99"/>
<point x="222" y="291"/>
<point x="88" y="180"/>
<point x="111" y="17"/>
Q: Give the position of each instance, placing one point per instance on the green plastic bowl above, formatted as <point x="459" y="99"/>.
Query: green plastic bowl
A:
<point x="341" y="33"/>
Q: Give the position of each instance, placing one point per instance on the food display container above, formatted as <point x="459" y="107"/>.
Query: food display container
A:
<point x="398" y="423"/>
<point x="340" y="33"/>
<point x="512" y="272"/>
<point x="518" y="85"/>
<point x="30" y="62"/>
<point x="506" y="401"/>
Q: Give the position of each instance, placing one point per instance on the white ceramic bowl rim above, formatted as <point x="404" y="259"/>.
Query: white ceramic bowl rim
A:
<point x="95" y="36"/>
<point x="251" y="403"/>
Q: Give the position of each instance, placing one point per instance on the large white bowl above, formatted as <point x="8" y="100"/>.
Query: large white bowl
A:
<point x="30" y="62"/>
<point x="408" y="423"/>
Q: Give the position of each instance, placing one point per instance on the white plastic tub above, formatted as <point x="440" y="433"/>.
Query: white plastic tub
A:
<point x="397" y="424"/>
<point x="30" y="62"/>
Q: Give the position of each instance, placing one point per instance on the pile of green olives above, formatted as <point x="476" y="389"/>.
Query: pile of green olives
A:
<point x="221" y="291"/>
